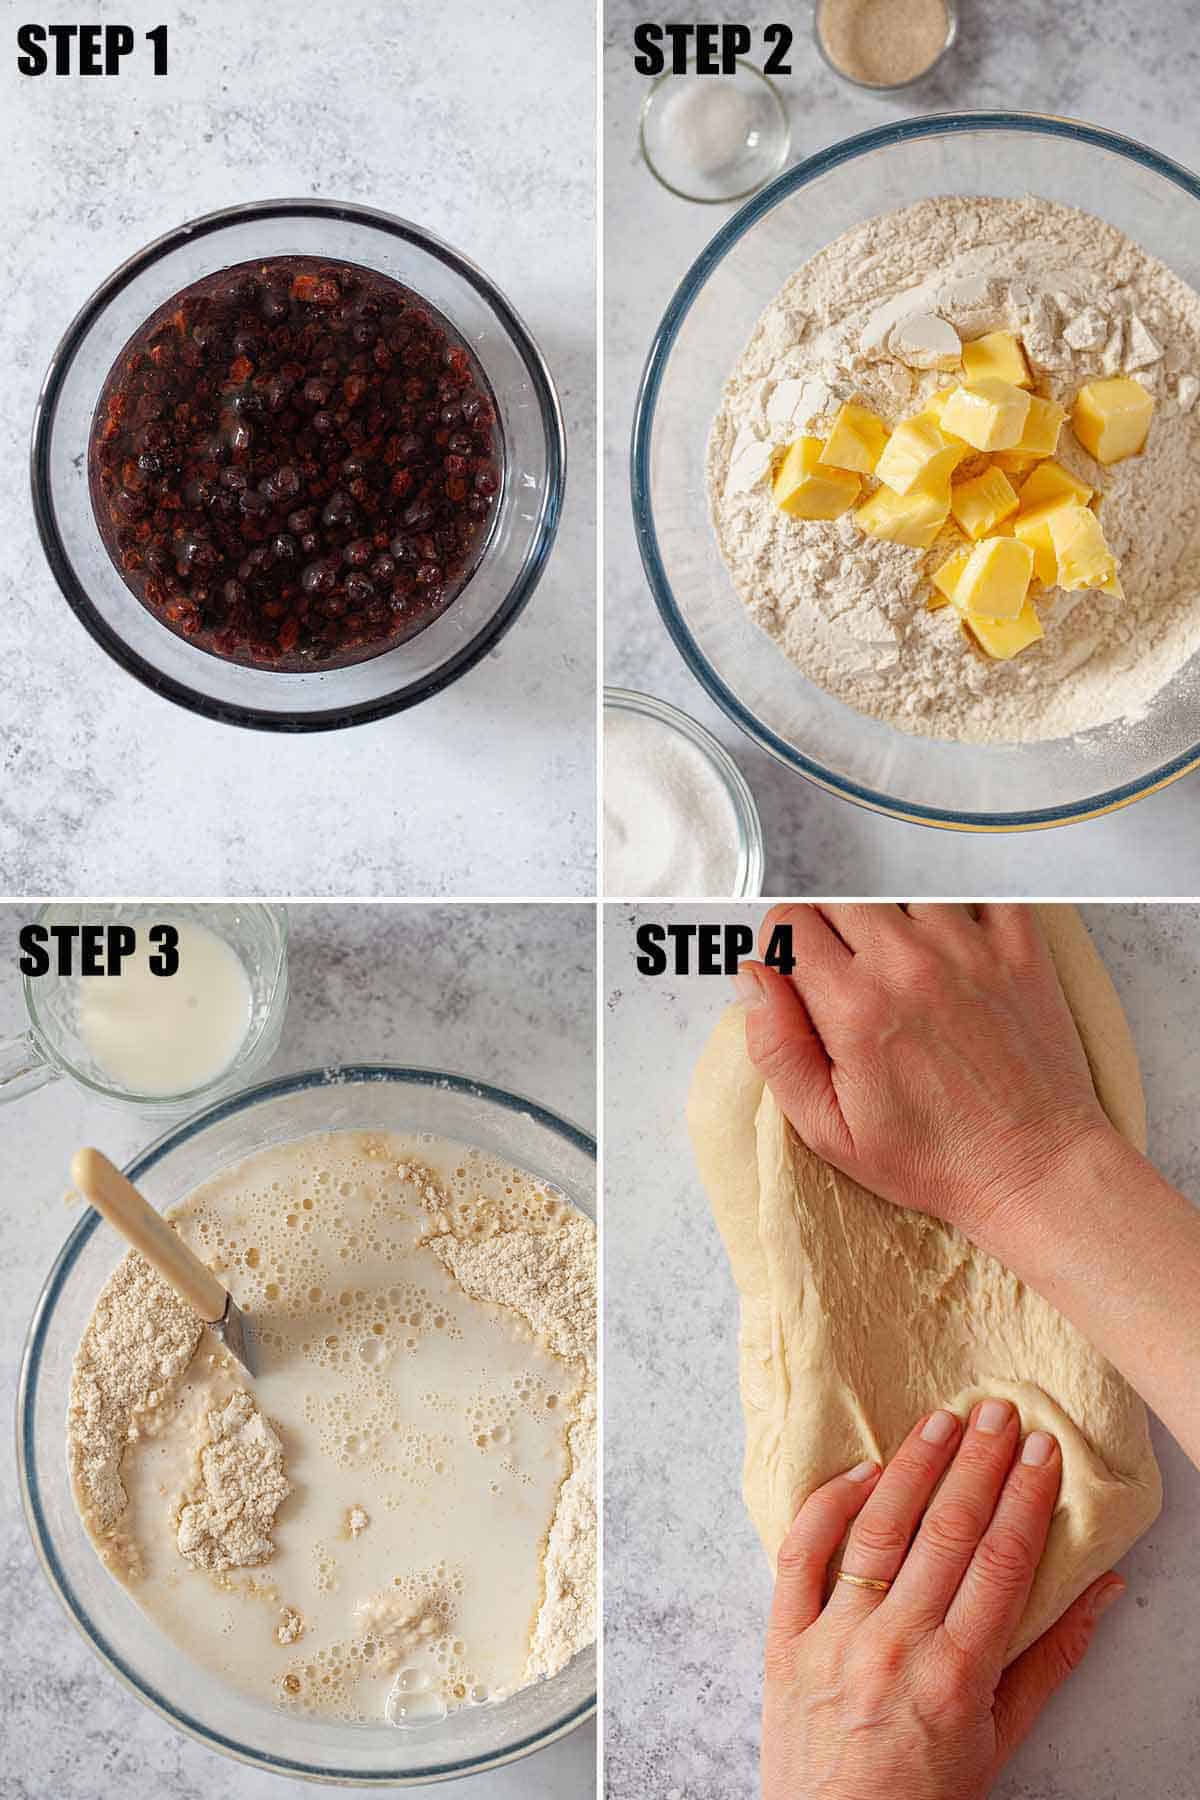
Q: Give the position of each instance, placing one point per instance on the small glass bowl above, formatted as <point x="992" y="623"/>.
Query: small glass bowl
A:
<point x="52" y="1046"/>
<point x="751" y="855"/>
<point x="369" y="1097"/>
<point x="525" y="519"/>
<point x="885" y="87"/>
<point x="767" y="133"/>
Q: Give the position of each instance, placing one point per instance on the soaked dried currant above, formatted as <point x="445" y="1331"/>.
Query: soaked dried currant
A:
<point x="266" y="382"/>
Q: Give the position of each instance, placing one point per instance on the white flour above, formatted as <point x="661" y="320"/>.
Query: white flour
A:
<point x="850" y="610"/>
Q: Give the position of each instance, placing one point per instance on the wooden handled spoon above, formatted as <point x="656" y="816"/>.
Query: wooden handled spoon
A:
<point x="139" y="1224"/>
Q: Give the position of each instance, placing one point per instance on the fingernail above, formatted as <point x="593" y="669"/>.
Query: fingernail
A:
<point x="1038" y="1449"/>
<point x="993" y="1416"/>
<point x="748" y="988"/>
<point x="862" y="1471"/>
<point x="1106" y="1596"/>
<point x="939" y="1428"/>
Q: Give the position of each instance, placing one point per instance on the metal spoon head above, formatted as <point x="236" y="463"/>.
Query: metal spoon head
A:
<point x="236" y="1333"/>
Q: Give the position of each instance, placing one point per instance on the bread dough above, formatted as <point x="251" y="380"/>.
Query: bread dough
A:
<point x="858" y="1316"/>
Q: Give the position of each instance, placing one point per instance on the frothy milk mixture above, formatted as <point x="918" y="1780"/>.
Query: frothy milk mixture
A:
<point x="168" y="1034"/>
<point x="397" y="1517"/>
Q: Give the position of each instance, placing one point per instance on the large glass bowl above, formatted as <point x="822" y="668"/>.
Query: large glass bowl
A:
<point x="707" y="325"/>
<point x="373" y="1096"/>
<point x="525" y="517"/>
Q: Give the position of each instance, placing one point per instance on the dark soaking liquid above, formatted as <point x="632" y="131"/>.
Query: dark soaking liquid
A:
<point x="294" y="464"/>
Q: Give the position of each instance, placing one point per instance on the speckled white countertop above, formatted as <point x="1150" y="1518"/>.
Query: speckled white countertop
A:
<point x="473" y="120"/>
<point x="686" y="1582"/>
<point x="1130" y="67"/>
<point x="507" y="995"/>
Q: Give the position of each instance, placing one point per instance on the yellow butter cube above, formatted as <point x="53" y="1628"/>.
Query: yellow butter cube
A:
<point x="1112" y="586"/>
<point x="1043" y="423"/>
<point x="1033" y="528"/>
<point x="945" y="578"/>
<point x="918" y="456"/>
<point x="1112" y="418"/>
<point x="806" y="488"/>
<point x="999" y="354"/>
<point x="1004" y="638"/>
<point x="935" y="410"/>
<point x="990" y="414"/>
<point x="995" y="581"/>
<point x="856" y="439"/>
<point x="1084" y="559"/>
<point x="1015" y="463"/>
<point x="913" y="519"/>
<point x="980" y="504"/>
<point x="1050" y="481"/>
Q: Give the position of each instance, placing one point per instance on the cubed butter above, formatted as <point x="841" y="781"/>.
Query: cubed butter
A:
<point x="1015" y="463"/>
<point x="980" y="504"/>
<point x="1084" y="559"/>
<point x="913" y="519"/>
<point x="1050" y="481"/>
<point x="1112" y="418"/>
<point x="999" y="354"/>
<point x="945" y="578"/>
<point x="994" y="583"/>
<point x="1004" y="638"/>
<point x="918" y="456"/>
<point x="806" y="488"/>
<point x="1043" y="423"/>
<point x="935" y="410"/>
<point x="1033" y="528"/>
<point x="856" y="439"/>
<point x="990" y="414"/>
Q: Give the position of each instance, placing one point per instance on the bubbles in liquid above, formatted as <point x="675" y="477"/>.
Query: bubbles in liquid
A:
<point x="368" y="1211"/>
<point x="414" y="1709"/>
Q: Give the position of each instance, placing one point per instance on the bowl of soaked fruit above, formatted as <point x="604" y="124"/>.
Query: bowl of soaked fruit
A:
<point x="297" y="465"/>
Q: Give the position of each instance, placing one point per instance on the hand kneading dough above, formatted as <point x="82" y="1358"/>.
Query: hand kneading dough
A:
<point x="858" y="1316"/>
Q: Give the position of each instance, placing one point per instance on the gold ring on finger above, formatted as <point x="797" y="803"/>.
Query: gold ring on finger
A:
<point x="864" y="1581"/>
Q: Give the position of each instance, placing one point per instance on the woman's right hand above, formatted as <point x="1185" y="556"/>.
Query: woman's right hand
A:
<point x="928" y="1052"/>
<point x="897" y="1686"/>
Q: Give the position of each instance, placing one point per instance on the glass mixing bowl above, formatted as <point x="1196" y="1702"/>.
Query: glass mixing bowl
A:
<point x="525" y="517"/>
<point x="360" y="1096"/>
<point x="705" y="329"/>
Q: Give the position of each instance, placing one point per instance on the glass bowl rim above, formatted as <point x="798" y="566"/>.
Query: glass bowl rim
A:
<point x="329" y="718"/>
<point x="886" y="87"/>
<point x="790" y="181"/>
<point x="333" y="1075"/>
<point x="277" y="917"/>
<point x="751" y="850"/>
<point x="644" y="111"/>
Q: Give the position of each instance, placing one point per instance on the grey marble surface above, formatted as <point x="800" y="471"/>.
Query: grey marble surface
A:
<point x="504" y="993"/>
<point x="686" y="1583"/>
<point x="475" y="121"/>
<point x="1129" y="67"/>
